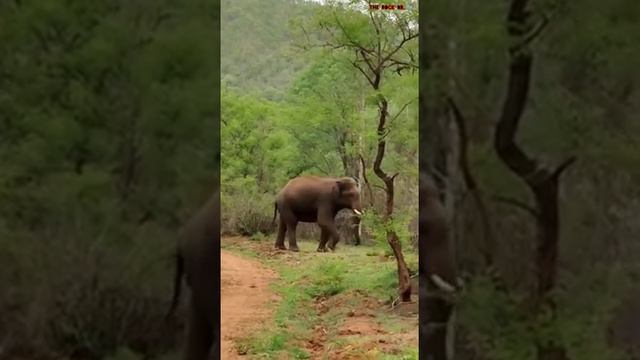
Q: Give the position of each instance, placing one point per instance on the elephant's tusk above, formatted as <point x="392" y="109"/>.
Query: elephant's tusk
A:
<point x="442" y="284"/>
<point x="357" y="212"/>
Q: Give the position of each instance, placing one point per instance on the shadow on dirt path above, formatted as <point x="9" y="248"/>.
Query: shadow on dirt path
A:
<point x="245" y="295"/>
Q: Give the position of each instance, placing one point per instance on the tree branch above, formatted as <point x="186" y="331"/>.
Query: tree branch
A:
<point x="357" y="66"/>
<point x="366" y="60"/>
<point x="563" y="166"/>
<point x="404" y="40"/>
<point x="536" y="31"/>
<point x="517" y="203"/>
<point x="352" y="42"/>
<point x="401" y="110"/>
<point x="470" y="181"/>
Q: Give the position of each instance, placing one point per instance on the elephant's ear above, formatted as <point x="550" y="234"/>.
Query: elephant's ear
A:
<point x="346" y="184"/>
<point x="358" y="184"/>
<point x="342" y="186"/>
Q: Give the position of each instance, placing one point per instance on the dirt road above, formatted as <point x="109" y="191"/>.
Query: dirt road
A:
<point x="245" y="299"/>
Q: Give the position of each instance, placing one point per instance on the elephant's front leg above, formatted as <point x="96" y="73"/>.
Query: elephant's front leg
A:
<point x="324" y="237"/>
<point x="327" y="224"/>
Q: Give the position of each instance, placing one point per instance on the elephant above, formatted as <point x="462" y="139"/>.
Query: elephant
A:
<point x="198" y="259"/>
<point x="315" y="199"/>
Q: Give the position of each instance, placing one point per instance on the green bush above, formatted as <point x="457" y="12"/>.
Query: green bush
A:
<point x="328" y="280"/>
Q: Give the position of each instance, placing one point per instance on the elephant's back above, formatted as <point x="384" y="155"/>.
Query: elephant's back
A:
<point x="309" y="180"/>
<point x="306" y="186"/>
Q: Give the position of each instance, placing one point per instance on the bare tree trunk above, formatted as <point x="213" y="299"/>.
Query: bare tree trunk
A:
<point x="404" y="287"/>
<point x="542" y="182"/>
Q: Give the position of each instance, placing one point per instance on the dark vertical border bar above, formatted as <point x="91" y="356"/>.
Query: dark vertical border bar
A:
<point x="216" y="96"/>
<point x="423" y="167"/>
<point x="216" y="118"/>
<point x="199" y="249"/>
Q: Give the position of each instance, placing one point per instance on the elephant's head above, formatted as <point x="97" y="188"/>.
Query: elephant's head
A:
<point x="347" y="195"/>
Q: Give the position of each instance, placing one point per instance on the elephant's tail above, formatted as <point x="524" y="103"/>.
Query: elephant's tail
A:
<point x="177" y="282"/>
<point x="275" y="213"/>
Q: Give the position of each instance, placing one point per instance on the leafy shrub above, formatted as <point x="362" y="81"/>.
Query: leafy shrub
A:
<point x="328" y="280"/>
<point x="247" y="214"/>
<point x="258" y="236"/>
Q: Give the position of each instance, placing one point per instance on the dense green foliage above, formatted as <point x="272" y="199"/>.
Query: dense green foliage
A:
<point x="107" y="141"/>
<point x="583" y="101"/>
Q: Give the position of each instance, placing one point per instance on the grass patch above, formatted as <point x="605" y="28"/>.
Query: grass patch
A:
<point x="409" y="354"/>
<point x="258" y="237"/>
<point x="328" y="279"/>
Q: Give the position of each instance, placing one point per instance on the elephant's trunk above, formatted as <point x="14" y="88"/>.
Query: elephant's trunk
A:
<point x="357" y="223"/>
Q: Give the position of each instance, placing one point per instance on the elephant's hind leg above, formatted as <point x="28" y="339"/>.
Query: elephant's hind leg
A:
<point x="282" y="230"/>
<point x="288" y="221"/>
<point x="199" y="335"/>
<point x="291" y="233"/>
